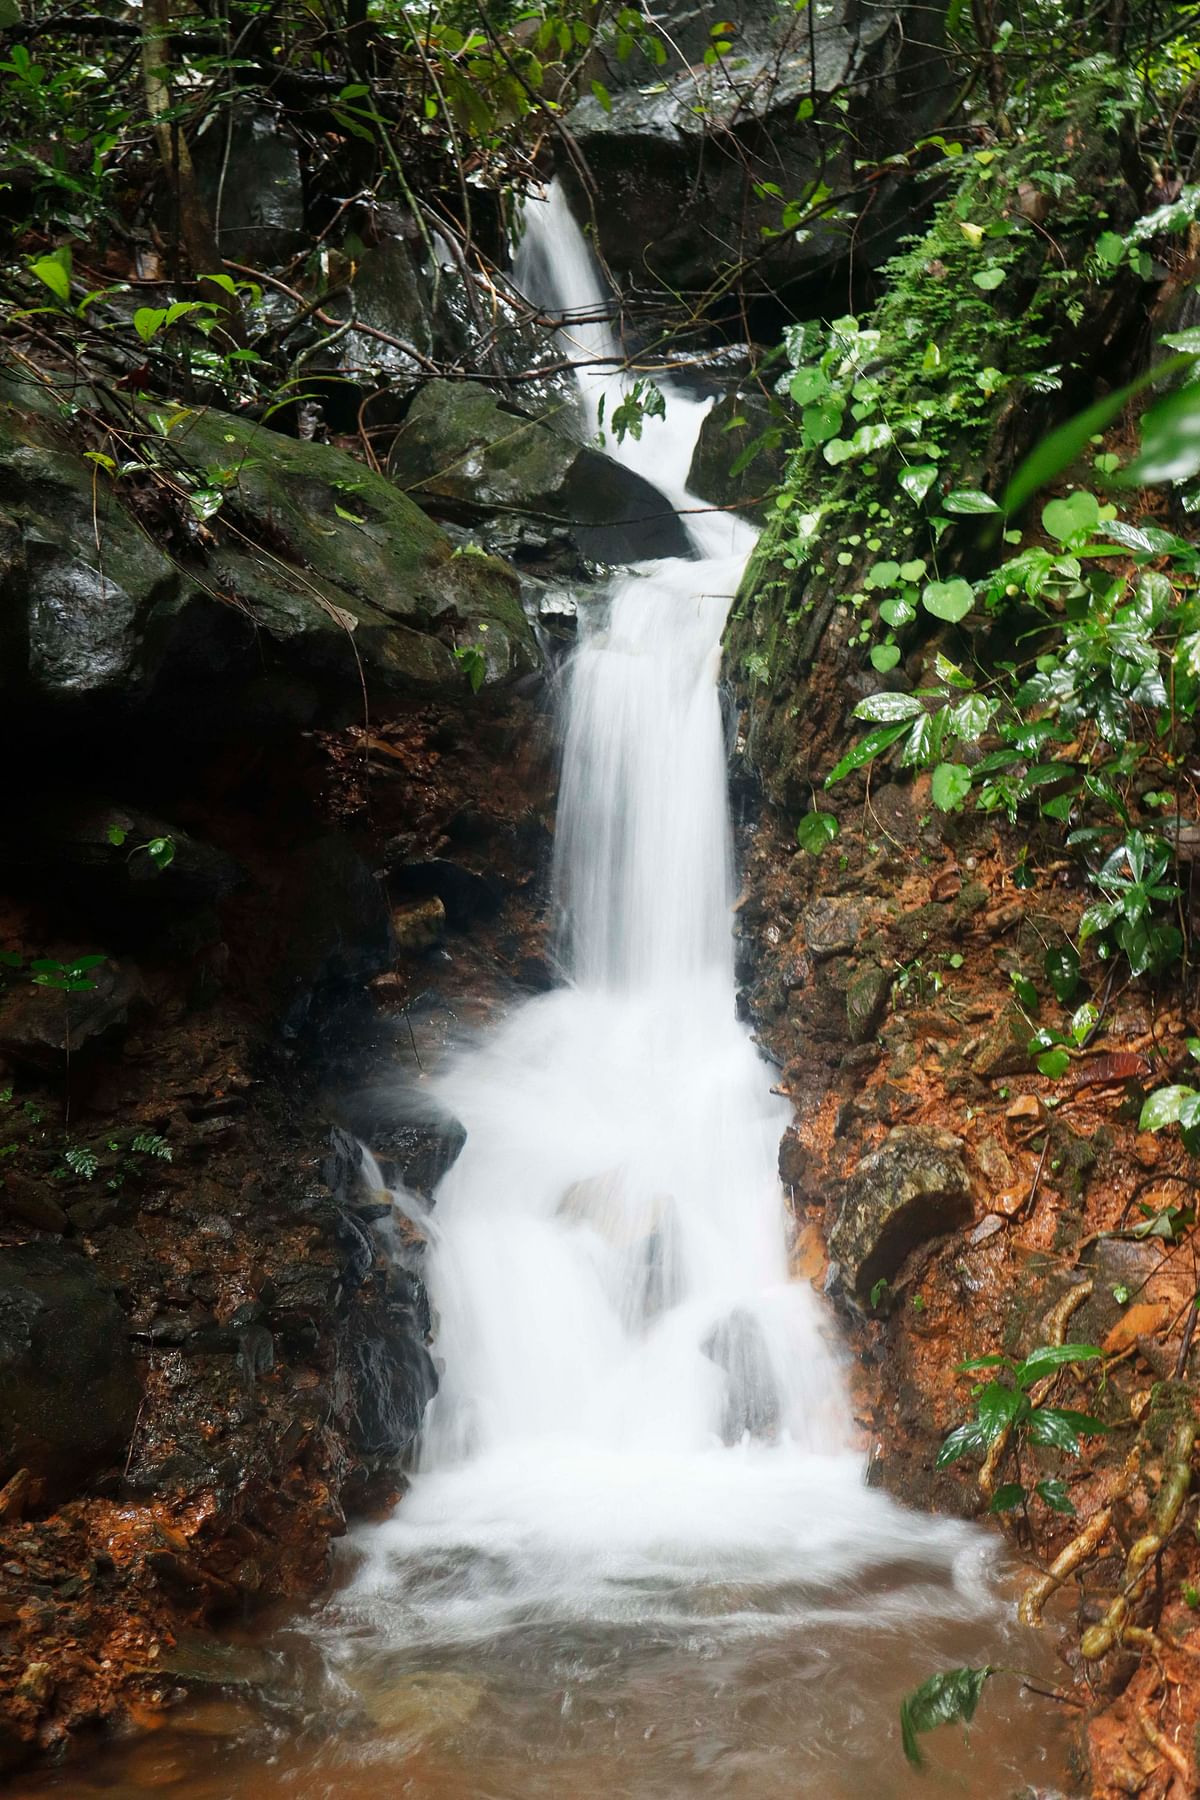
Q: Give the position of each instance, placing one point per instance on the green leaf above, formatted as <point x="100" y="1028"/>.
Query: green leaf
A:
<point x="1062" y="969"/>
<point x="949" y="600"/>
<point x="951" y="785"/>
<point x="1163" y="1107"/>
<point x="602" y="96"/>
<point x="1170" y="441"/>
<point x="148" y="321"/>
<point x="885" y="657"/>
<point x="1072" y="518"/>
<point x="882" y="709"/>
<point x="816" y="831"/>
<point x="1054" y="1493"/>
<point x="989" y="278"/>
<point x="350" y="518"/>
<point x="1110" y="248"/>
<point x="1054" y="1063"/>
<point x="10" y="14"/>
<point x="116" y="835"/>
<point x="54" y="272"/>
<point x="946" y="1699"/>
<point x="1054" y="1356"/>
<point x="998" y="1406"/>
<point x="821" y="421"/>
<point x="878" y="1290"/>
<point x="1026" y="993"/>
<point x="994" y="1361"/>
<point x="969" y="500"/>
<point x="1006" y="1497"/>
<point x="964" y="1440"/>
<point x="866" y="750"/>
<point x="896" y="610"/>
<point x="1060" y="1428"/>
<point x="1065" y="445"/>
<point x="950" y="672"/>
<point x="918" y="480"/>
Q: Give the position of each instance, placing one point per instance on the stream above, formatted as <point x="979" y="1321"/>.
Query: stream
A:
<point x="640" y="1556"/>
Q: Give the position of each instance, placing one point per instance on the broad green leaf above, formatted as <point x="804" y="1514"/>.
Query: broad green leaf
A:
<point x="1054" y="1493"/>
<point x="946" y="1699"/>
<point x="918" y="480"/>
<point x="998" y="1407"/>
<point x="964" y="1440"/>
<point x="969" y="500"/>
<point x="602" y="96"/>
<point x="1006" y="1497"/>
<point x="883" y="709"/>
<point x="1170" y="441"/>
<point x="816" y="831"/>
<point x="949" y="600"/>
<point x="1054" y="1356"/>
<point x="885" y="657"/>
<point x="990" y="278"/>
<point x="148" y="321"/>
<point x="866" y="750"/>
<point x="1060" y="1428"/>
<point x="54" y="272"/>
<point x="1073" y="517"/>
<point x="994" y="1361"/>
<point x="950" y="672"/>
<point x="1164" y="1107"/>
<point x="951" y="785"/>
<point x="1054" y="1063"/>
<point x="1062" y="969"/>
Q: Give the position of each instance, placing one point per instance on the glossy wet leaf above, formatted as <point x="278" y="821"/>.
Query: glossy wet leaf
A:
<point x="1049" y="1357"/>
<point x="946" y="1699"/>
<point x="882" y="709"/>
<point x="866" y="750"/>
<point x="1009" y="1495"/>
<point x="969" y="500"/>
<point x="816" y="831"/>
<point x="1059" y="1428"/>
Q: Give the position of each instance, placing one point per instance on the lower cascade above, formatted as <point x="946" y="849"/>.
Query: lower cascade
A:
<point x="641" y="1445"/>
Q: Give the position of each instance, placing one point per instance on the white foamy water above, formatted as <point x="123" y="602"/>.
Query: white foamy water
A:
<point x="639" y="1414"/>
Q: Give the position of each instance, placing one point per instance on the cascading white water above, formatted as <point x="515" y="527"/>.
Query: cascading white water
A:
<point x="636" y="1402"/>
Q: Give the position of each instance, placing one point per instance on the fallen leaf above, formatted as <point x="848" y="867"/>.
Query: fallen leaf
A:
<point x="1123" y="1065"/>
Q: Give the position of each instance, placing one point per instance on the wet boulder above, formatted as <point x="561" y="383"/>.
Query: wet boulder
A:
<point x="470" y="456"/>
<point x="332" y="577"/>
<point x="69" y="1392"/>
<point x="690" y="170"/>
<point x="739" y="453"/>
<point x="913" y="1188"/>
<point x="249" y="176"/>
<point x="45" y="1026"/>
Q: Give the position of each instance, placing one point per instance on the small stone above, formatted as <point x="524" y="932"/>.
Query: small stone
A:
<point x="420" y="924"/>
<point x="866" y="1002"/>
<point x="993" y="1164"/>
<point x="1148" y="1150"/>
<point x="1145" y="1318"/>
<point x="36" y="1683"/>
<point x="1025" y="1106"/>
<point x="832" y="927"/>
<point x="1005" y="1048"/>
<point x="985" y="1229"/>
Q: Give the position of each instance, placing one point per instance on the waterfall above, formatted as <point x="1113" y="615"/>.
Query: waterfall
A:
<point x="637" y="1405"/>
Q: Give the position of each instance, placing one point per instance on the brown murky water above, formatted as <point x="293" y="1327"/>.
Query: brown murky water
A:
<point x="776" y="1708"/>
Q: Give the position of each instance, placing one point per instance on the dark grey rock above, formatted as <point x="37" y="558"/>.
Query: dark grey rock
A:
<point x="248" y="169"/>
<point x="40" y="1027"/>
<point x="470" y="454"/>
<point x="914" y="1187"/>
<point x="69" y="1392"/>
<point x="728" y="430"/>
<point x="680" y="162"/>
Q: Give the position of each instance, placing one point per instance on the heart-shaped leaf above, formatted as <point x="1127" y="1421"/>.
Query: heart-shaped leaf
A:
<point x="949" y="600"/>
<point x="1073" y="517"/>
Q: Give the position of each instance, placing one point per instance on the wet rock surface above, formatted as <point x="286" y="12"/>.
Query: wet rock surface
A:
<point x="465" y="452"/>
<point x="69" y="1391"/>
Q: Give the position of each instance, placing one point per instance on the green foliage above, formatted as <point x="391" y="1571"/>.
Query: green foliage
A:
<point x="1005" y="1407"/>
<point x="816" y="831"/>
<point x="949" y="1698"/>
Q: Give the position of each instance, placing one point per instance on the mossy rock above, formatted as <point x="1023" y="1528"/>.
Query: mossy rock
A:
<point x="317" y="575"/>
<point x="470" y="455"/>
<point x="912" y="1188"/>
